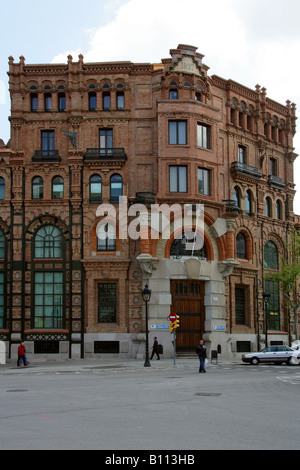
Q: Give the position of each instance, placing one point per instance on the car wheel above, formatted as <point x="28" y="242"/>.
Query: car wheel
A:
<point x="255" y="361"/>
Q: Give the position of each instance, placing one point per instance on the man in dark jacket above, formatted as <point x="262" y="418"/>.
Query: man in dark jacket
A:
<point x="201" y="351"/>
<point x="155" y="349"/>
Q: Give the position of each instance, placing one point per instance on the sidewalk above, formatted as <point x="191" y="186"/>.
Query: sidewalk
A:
<point x="89" y="365"/>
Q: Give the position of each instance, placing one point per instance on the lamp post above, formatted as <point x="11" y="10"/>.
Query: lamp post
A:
<point x="146" y="294"/>
<point x="266" y="296"/>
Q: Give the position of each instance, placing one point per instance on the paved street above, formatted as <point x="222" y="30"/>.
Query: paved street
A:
<point x="123" y="406"/>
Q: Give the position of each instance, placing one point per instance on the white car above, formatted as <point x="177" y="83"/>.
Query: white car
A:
<point x="272" y="354"/>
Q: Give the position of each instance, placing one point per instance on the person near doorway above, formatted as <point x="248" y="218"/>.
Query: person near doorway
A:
<point x="201" y="351"/>
<point x="22" y="355"/>
<point x="155" y="348"/>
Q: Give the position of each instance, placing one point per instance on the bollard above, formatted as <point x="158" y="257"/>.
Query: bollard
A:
<point x="2" y="353"/>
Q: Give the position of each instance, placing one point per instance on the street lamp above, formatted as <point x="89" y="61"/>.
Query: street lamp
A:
<point x="146" y="294"/>
<point x="266" y="296"/>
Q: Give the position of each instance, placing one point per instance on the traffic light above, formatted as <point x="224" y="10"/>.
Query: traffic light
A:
<point x="177" y="324"/>
<point x="172" y="327"/>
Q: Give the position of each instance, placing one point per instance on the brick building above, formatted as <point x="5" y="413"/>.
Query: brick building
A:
<point x="84" y="134"/>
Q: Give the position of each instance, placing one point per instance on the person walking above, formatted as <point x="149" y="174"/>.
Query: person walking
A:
<point x="201" y="351"/>
<point x="155" y="349"/>
<point x="22" y="355"/>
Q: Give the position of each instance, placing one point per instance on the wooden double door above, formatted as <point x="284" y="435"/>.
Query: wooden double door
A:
<point x="188" y="303"/>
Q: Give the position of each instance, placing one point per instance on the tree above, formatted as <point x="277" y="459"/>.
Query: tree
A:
<point x="289" y="274"/>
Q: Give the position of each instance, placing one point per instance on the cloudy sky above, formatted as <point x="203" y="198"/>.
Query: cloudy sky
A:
<point x="251" y="41"/>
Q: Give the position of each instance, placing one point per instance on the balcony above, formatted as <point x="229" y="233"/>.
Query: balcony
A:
<point x="243" y="169"/>
<point x="276" y="181"/>
<point x="106" y="155"/>
<point x="46" y="156"/>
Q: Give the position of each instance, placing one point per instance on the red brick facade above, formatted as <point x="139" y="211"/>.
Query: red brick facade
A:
<point x="175" y="135"/>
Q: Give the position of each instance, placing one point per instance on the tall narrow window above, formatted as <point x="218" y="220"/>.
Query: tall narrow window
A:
<point x="116" y="188"/>
<point x="57" y="187"/>
<point x="2" y="188"/>
<point x="49" y="243"/>
<point x="95" y="189"/>
<point x="241" y="154"/>
<point x="105" y="141"/>
<point x="178" y="179"/>
<point x="248" y="203"/>
<point x="240" y="306"/>
<point x="61" y="102"/>
<point x="268" y="207"/>
<point x="106" y="101"/>
<point x="204" y="181"/>
<point x="273" y="305"/>
<point x="241" y="246"/>
<point x="120" y="100"/>
<point x="48" y="102"/>
<point x="92" y="101"/>
<point x="177" y="132"/>
<point x="107" y="303"/>
<point x="203" y="136"/>
<point x="48" y="300"/>
<point x="237" y="197"/>
<point x="278" y="210"/>
<point x="273" y="167"/>
<point x="48" y="143"/>
<point x="37" y="188"/>
<point x="34" y="102"/>
<point x="270" y="256"/>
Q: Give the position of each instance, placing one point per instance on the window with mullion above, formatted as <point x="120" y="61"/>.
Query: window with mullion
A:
<point x="178" y="179"/>
<point x="48" y="300"/>
<point x="177" y="132"/>
<point x="204" y="182"/>
<point x="48" y="142"/>
<point x="203" y="136"/>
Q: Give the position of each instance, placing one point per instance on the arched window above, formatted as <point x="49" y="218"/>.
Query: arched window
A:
<point x="248" y="203"/>
<point x="268" y="207"/>
<point x="37" y="189"/>
<point x="241" y="246"/>
<point x="57" y="187"/>
<point x="278" y="210"/>
<point x="188" y="244"/>
<point x="49" y="243"/>
<point x="2" y="188"/>
<point x="116" y="188"/>
<point x="237" y="197"/>
<point x="270" y="256"/>
<point x="106" y="237"/>
<point x="95" y="189"/>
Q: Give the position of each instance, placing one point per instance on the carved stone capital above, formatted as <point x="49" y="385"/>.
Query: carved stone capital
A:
<point x="226" y="267"/>
<point x="148" y="264"/>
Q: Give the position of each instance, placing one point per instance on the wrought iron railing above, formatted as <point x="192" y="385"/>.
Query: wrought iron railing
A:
<point x="105" y="153"/>
<point x="238" y="167"/>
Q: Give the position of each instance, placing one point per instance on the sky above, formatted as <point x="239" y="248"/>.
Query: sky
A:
<point x="249" y="41"/>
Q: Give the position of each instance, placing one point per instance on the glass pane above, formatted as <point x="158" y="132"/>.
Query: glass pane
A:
<point x="182" y="133"/>
<point x="173" y="179"/>
<point x="120" y="101"/>
<point x="182" y="179"/>
<point x="2" y="188"/>
<point x="172" y="132"/>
